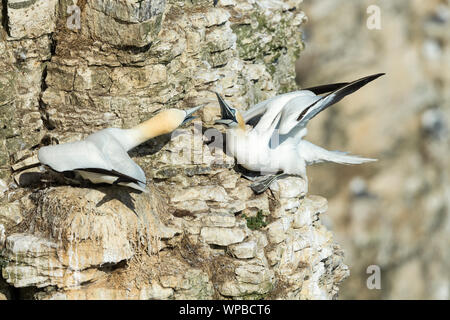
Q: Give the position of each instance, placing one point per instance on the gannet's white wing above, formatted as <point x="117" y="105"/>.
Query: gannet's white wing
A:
<point x="99" y="152"/>
<point x="293" y="108"/>
<point x="273" y="111"/>
<point x="73" y="155"/>
<point x="116" y="155"/>
<point x="254" y="114"/>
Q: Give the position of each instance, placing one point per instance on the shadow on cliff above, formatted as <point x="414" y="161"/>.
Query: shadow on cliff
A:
<point x="124" y="195"/>
<point x="42" y="180"/>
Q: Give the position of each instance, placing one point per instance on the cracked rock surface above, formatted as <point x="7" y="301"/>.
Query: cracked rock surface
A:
<point x="200" y="233"/>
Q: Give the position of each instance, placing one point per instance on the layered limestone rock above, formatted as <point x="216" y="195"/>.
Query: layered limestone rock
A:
<point x="200" y="233"/>
<point x="107" y="243"/>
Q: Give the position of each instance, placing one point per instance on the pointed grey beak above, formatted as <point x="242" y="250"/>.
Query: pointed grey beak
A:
<point x="189" y="113"/>
<point x="228" y="113"/>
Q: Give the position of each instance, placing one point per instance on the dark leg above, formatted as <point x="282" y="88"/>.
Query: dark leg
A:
<point x="262" y="184"/>
<point x="251" y="178"/>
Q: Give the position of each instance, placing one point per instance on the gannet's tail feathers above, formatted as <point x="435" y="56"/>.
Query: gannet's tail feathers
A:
<point x="343" y="90"/>
<point x="315" y="154"/>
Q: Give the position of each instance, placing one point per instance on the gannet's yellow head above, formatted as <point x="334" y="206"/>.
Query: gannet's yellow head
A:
<point x="230" y="116"/>
<point x="166" y="121"/>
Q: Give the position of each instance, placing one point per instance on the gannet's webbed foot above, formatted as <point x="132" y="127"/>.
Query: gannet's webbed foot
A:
<point x="264" y="182"/>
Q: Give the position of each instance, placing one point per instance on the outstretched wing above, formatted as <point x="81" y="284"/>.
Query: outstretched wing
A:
<point x="253" y="115"/>
<point x="292" y="109"/>
<point x="274" y="111"/>
<point x="303" y="108"/>
<point x="333" y="97"/>
<point x="326" y="88"/>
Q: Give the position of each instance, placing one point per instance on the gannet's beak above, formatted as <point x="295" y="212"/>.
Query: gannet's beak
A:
<point x="189" y="116"/>
<point x="228" y="113"/>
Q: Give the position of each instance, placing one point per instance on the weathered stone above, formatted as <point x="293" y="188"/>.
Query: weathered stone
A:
<point x="253" y="274"/>
<point x="2" y="235"/>
<point x="31" y="19"/>
<point x="222" y="236"/>
<point x="237" y="289"/>
<point x="276" y="231"/>
<point x="206" y="193"/>
<point x="219" y="220"/>
<point x="106" y="26"/>
<point x="3" y="187"/>
<point x="310" y="207"/>
<point x="155" y="292"/>
<point x="257" y="204"/>
<point x="132" y="11"/>
<point x="244" y="250"/>
<point x="90" y="234"/>
<point x="11" y="213"/>
<point x="33" y="261"/>
<point x="290" y="187"/>
<point x="192" y="206"/>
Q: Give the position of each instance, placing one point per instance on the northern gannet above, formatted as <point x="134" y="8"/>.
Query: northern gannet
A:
<point x="268" y="138"/>
<point x="103" y="156"/>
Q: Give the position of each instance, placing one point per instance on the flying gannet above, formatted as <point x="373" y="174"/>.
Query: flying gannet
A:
<point x="103" y="156"/>
<point x="268" y="138"/>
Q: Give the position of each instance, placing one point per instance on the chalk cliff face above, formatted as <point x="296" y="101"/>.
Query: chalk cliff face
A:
<point x="200" y="233"/>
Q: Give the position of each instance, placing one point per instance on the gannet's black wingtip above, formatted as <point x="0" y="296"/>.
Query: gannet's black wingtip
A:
<point x="318" y="90"/>
<point x="373" y="76"/>
<point x="335" y="96"/>
<point x="355" y="85"/>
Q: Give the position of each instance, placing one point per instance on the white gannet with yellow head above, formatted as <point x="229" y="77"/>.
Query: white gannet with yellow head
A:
<point x="103" y="156"/>
<point x="268" y="138"/>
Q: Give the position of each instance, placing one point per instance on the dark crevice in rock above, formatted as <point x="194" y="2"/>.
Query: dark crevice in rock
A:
<point x="220" y="66"/>
<point x="15" y="293"/>
<point x="134" y="49"/>
<point x="110" y="267"/>
<point x="52" y="45"/>
<point x="5" y="16"/>
<point x="44" y="115"/>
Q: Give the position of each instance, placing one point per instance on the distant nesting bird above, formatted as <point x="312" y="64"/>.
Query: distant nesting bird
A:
<point x="103" y="156"/>
<point x="268" y="138"/>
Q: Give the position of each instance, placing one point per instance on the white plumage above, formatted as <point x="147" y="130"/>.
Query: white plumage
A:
<point x="268" y="138"/>
<point x="103" y="156"/>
